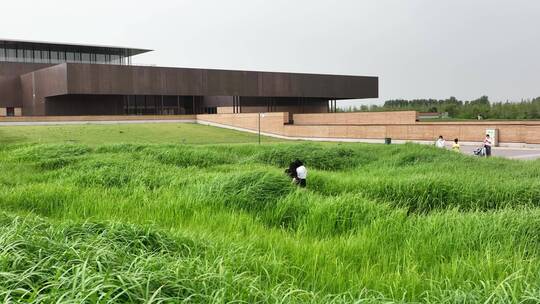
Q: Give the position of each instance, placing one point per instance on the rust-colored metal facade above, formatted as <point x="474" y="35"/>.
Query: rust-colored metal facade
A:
<point x="97" y="88"/>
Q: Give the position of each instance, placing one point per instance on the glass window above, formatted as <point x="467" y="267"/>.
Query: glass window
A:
<point x="70" y="57"/>
<point x="20" y="55"/>
<point x="3" y="54"/>
<point x="100" y="58"/>
<point x="45" y="56"/>
<point x="54" y="57"/>
<point x="28" y="56"/>
<point x="37" y="56"/>
<point x="11" y="55"/>
<point x="85" y="57"/>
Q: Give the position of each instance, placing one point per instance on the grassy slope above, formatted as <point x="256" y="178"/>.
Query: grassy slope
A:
<point x="217" y="223"/>
<point x="174" y="133"/>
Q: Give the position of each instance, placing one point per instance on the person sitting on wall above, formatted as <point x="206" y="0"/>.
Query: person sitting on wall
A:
<point x="487" y="145"/>
<point x="455" y="146"/>
<point x="440" y="142"/>
<point x="301" y="174"/>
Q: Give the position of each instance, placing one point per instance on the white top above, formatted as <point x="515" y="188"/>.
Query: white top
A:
<point x="301" y="172"/>
<point x="487" y="142"/>
<point x="439" y="143"/>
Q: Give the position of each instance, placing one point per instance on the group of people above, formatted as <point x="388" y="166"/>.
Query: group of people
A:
<point x="441" y="143"/>
<point x="486" y="145"/>
<point x="298" y="172"/>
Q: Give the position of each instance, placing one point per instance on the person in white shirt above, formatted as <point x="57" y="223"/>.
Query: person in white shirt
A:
<point x="487" y="145"/>
<point x="440" y="142"/>
<point x="301" y="174"/>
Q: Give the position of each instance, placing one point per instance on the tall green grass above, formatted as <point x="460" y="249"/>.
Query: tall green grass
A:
<point x="217" y="223"/>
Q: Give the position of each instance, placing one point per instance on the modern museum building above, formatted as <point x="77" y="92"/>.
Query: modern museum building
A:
<point x="41" y="78"/>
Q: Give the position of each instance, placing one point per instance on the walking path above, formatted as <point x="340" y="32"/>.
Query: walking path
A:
<point x="512" y="153"/>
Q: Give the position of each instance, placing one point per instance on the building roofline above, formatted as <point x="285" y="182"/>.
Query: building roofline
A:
<point x="74" y="46"/>
<point x="135" y="65"/>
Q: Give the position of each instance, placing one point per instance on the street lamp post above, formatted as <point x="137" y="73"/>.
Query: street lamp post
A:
<point x="259" y="125"/>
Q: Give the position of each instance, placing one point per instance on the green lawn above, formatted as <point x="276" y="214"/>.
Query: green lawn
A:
<point x="150" y="222"/>
<point x="151" y="133"/>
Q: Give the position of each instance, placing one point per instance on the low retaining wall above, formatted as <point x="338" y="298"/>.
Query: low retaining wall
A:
<point x="399" y="126"/>
<point x="356" y="118"/>
<point x="271" y="123"/>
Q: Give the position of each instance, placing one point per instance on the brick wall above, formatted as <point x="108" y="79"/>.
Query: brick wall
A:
<point x="225" y="110"/>
<point x="396" y="125"/>
<point x="357" y="118"/>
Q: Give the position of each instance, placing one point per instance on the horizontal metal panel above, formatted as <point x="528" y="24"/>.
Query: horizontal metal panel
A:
<point x="138" y="80"/>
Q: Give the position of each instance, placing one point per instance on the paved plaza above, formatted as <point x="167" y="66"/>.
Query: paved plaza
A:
<point x="512" y="153"/>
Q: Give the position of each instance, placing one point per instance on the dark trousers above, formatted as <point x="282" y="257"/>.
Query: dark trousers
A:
<point x="488" y="150"/>
<point x="302" y="182"/>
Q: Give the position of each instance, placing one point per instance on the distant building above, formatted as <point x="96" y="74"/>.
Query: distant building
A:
<point x="42" y="78"/>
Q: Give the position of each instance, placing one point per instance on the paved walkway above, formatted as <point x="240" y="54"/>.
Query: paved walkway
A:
<point x="512" y="153"/>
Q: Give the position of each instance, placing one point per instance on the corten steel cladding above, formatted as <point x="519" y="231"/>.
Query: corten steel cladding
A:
<point x="31" y="90"/>
<point x="135" y="80"/>
<point x="71" y="79"/>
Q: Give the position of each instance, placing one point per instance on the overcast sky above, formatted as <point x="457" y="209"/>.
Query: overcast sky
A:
<point x="418" y="48"/>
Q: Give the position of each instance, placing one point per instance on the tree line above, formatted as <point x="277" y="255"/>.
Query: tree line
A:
<point x="461" y="109"/>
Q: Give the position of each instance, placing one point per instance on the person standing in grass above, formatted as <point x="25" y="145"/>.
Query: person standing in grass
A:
<point x="440" y="142"/>
<point x="301" y="174"/>
<point x="455" y="146"/>
<point x="487" y="145"/>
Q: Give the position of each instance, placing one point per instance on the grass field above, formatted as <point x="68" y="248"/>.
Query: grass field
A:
<point x="170" y="222"/>
<point x="151" y="133"/>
